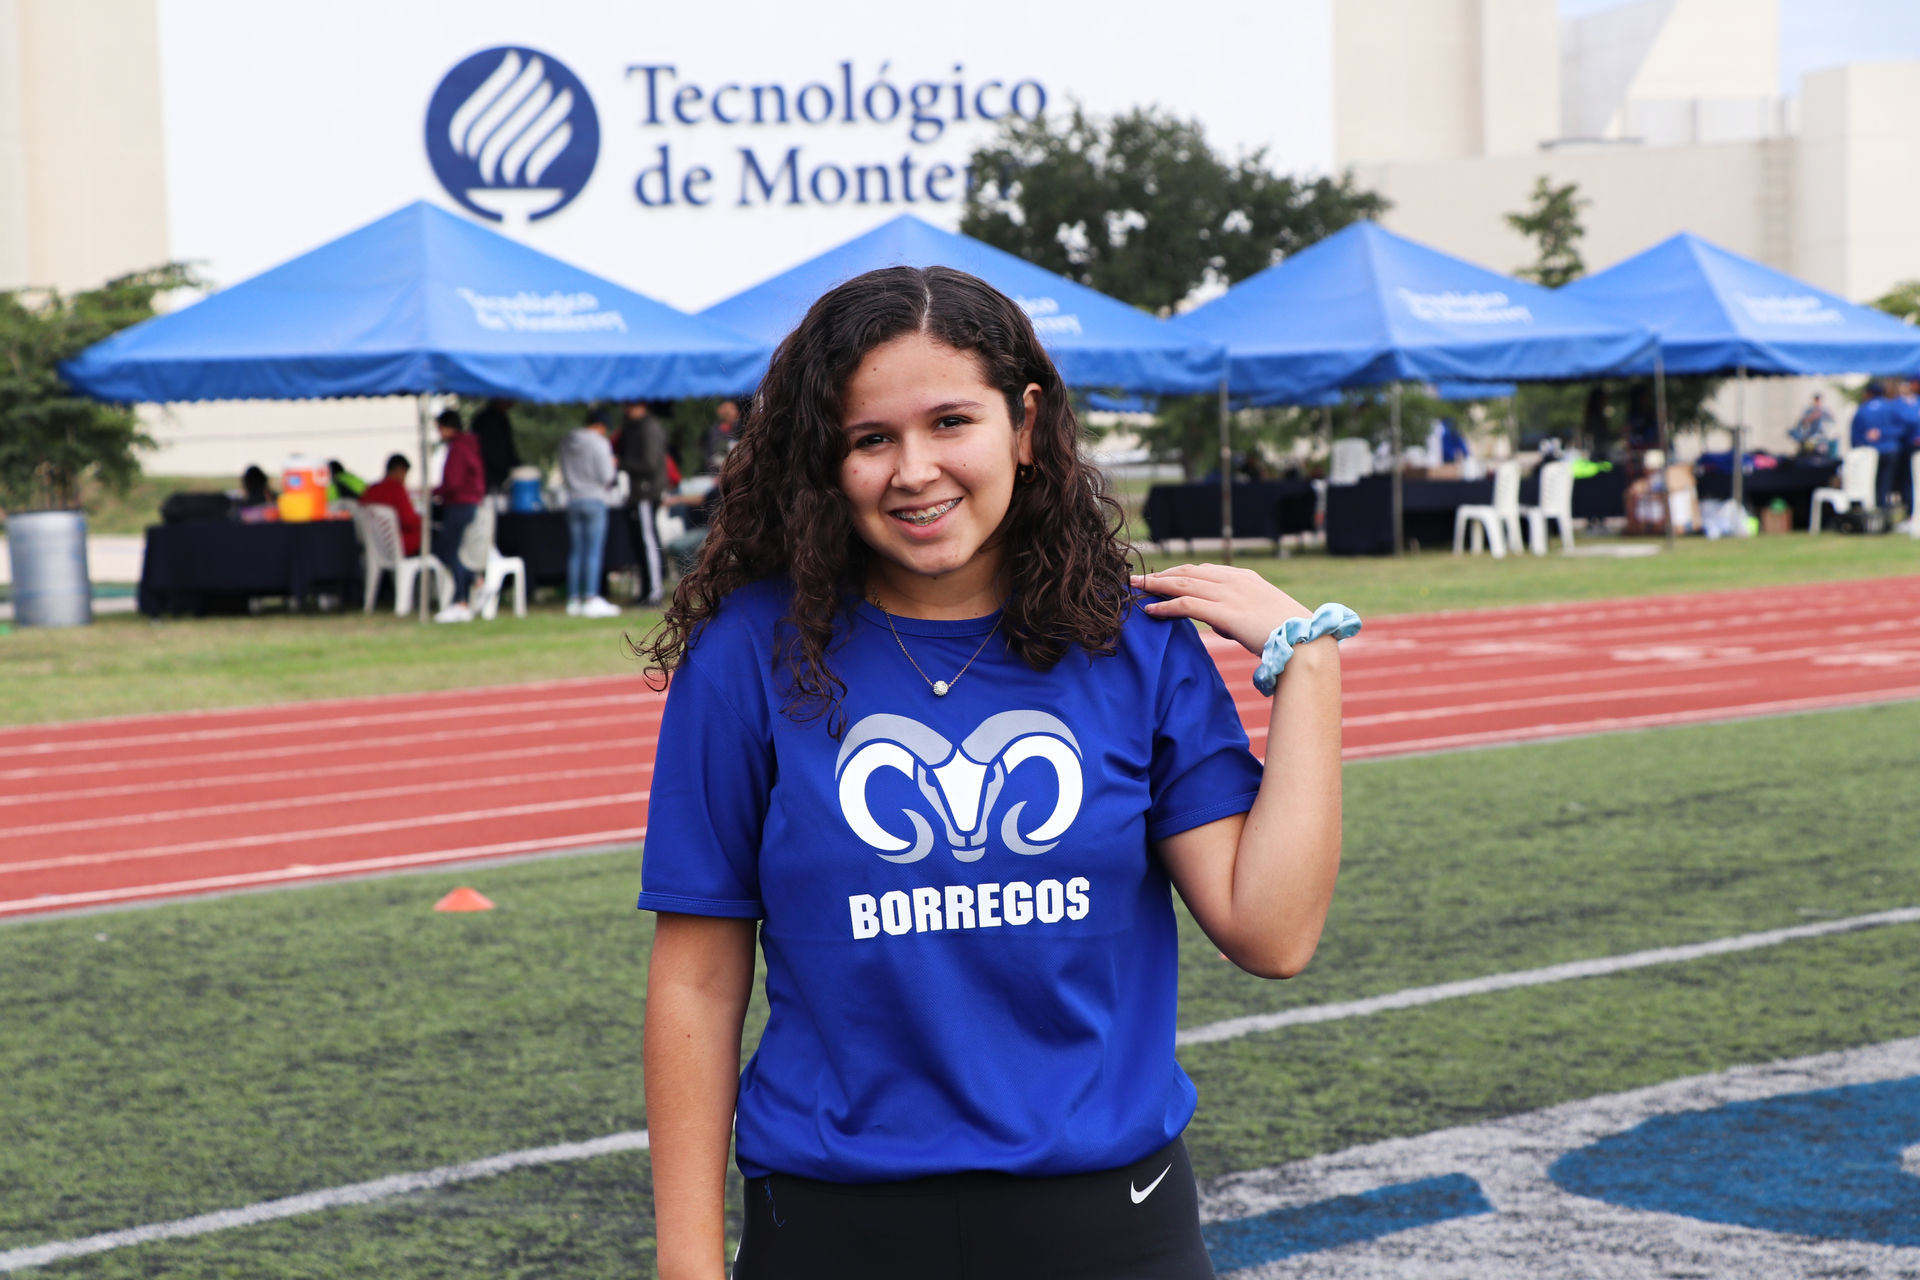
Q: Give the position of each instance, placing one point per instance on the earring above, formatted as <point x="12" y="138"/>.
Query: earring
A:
<point x="1023" y="473"/>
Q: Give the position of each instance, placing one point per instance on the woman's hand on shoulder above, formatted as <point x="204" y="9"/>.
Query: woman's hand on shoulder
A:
<point x="1237" y="603"/>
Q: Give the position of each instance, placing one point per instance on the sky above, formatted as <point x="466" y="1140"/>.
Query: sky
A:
<point x="1823" y="33"/>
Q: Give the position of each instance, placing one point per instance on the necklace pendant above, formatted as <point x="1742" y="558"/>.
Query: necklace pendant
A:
<point x="939" y="688"/>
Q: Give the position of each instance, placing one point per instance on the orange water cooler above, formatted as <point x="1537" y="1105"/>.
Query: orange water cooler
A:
<point x="303" y="489"/>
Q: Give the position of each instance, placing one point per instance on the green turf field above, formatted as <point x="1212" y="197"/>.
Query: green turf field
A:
<point x="125" y="665"/>
<point x="183" y="1058"/>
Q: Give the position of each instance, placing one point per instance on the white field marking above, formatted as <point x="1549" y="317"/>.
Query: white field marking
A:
<point x="1620" y="724"/>
<point x="1870" y="637"/>
<point x="304" y="724"/>
<point x="360" y="745"/>
<point x="1769" y="624"/>
<point x="1223" y="1198"/>
<point x="1413" y="997"/>
<point x="327" y="798"/>
<point x="332" y="1198"/>
<point x="1454" y="709"/>
<point x="313" y="834"/>
<point x="394" y="862"/>
<point x="261" y="708"/>
<point x="1539" y="1231"/>
<point x="402" y="765"/>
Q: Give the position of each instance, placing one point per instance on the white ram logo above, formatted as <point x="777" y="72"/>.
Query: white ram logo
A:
<point x="962" y="784"/>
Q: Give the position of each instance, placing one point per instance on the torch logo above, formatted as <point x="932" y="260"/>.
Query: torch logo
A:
<point x="511" y="133"/>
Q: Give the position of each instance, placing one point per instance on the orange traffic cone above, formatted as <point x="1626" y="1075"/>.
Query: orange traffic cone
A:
<point x="464" y="899"/>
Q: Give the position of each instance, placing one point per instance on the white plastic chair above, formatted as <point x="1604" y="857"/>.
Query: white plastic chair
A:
<point x="378" y="529"/>
<point x="1352" y="459"/>
<point x="478" y="553"/>
<point x="1857" y="473"/>
<point x="1556" y="503"/>
<point x="1499" y="522"/>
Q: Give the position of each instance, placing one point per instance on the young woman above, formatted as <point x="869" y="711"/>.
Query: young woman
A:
<point x="929" y="732"/>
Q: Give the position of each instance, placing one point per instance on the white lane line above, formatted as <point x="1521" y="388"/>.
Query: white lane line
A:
<point x="322" y="871"/>
<point x="1522" y="735"/>
<point x="313" y="835"/>
<point x="295" y="722"/>
<point x="467" y="782"/>
<point x="332" y="1198"/>
<point x="1413" y="997"/>
<point x="262" y="708"/>
<point x="637" y="1140"/>
<point x="363" y="746"/>
<point x="205" y="781"/>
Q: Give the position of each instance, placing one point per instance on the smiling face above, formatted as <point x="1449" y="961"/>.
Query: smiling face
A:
<point x="929" y="474"/>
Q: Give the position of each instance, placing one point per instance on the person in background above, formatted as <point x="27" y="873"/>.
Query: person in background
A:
<point x="643" y="457"/>
<point x="1875" y="427"/>
<point x="1810" y="432"/>
<point x="1906" y="418"/>
<point x="254" y="489"/>
<point x="345" y="484"/>
<point x="717" y="439"/>
<point x="463" y="483"/>
<point x="590" y="477"/>
<point x="1597" y="424"/>
<point x="498" y="453"/>
<point x="391" y="491"/>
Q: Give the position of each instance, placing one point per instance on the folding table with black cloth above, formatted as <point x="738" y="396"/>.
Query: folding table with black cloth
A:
<point x="1360" y="515"/>
<point x="1261" y="509"/>
<point x="540" y="539"/>
<point x="1793" y="481"/>
<point x="201" y="565"/>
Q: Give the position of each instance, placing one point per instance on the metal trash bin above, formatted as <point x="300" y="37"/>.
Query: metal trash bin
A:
<point x="49" y="554"/>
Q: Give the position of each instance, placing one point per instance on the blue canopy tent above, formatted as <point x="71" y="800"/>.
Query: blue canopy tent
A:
<point x="1365" y="307"/>
<point x="1716" y="312"/>
<point x="418" y="303"/>
<point x="1095" y="341"/>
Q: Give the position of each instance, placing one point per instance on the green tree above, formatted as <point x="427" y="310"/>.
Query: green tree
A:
<point x="1141" y="207"/>
<point x="1552" y="222"/>
<point x="1903" y="300"/>
<point x="51" y="437"/>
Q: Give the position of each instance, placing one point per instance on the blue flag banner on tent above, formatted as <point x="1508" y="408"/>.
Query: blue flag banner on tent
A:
<point x="1366" y="306"/>
<point x="421" y="301"/>
<point x="1095" y="341"/>
<point x="1717" y="312"/>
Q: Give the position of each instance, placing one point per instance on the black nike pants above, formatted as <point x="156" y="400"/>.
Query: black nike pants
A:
<point x="1139" y="1222"/>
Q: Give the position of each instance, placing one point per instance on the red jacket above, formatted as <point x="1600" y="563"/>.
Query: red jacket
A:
<point x="464" y="482"/>
<point x="391" y="493"/>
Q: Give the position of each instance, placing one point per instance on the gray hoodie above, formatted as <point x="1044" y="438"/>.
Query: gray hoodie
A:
<point x="587" y="470"/>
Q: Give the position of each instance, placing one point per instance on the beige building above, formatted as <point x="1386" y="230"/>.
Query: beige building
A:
<point x="1668" y="115"/>
<point x="132" y="131"/>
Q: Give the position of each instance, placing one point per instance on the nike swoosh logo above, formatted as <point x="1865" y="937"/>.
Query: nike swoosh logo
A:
<point x="1139" y="1195"/>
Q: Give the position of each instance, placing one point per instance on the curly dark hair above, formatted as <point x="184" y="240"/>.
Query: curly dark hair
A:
<point x="780" y="510"/>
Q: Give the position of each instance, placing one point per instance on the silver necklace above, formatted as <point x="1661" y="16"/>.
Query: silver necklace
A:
<point x="939" y="687"/>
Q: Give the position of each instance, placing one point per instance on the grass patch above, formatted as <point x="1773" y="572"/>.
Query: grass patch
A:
<point x="124" y="664"/>
<point x="188" y="1057"/>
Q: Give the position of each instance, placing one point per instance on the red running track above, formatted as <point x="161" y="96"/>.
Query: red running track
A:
<point x="109" y="811"/>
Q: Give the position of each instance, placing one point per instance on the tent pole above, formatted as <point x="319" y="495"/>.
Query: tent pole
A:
<point x="422" y="405"/>
<point x="1739" y="432"/>
<point x="1399" y="515"/>
<point x="1666" y="438"/>
<point x="1226" y="480"/>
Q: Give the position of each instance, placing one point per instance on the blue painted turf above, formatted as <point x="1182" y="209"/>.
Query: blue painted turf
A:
<point x="1328" y="1224"/>
<point x="1823" y="1164"/>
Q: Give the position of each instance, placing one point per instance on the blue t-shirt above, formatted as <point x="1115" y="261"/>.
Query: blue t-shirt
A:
<point x="970" y="949"/>
<point x="1879" y="414"/>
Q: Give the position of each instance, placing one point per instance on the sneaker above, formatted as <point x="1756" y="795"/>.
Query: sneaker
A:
<point x="599" y="608"/>
<point x="657" y="597"/>
<point x="454" y="613"/>
<point x="573" y="608"/>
